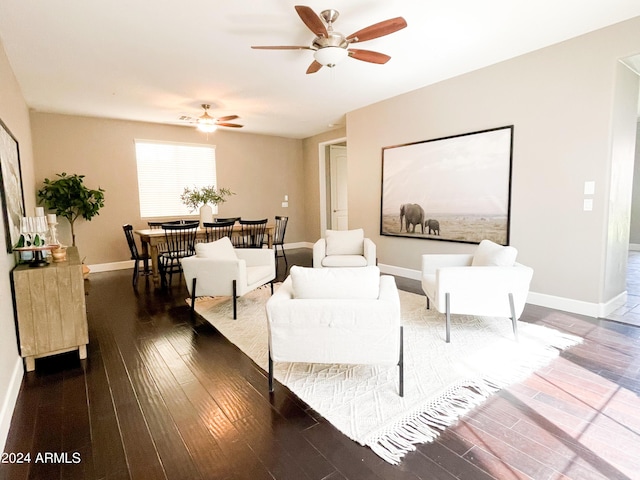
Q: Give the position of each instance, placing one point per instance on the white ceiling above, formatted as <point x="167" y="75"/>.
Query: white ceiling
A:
<point x="156" y="60"/>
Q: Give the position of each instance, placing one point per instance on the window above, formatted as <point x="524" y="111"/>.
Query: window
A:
<point x="165" y="169"/>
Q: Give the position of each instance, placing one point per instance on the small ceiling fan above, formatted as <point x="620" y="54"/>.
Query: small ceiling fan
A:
<point x="206" y="123"/>
<point x="330" y="47"/>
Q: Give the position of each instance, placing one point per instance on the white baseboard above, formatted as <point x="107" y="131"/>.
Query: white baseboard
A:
<point x="634" y="247"/>
<point x="9" y="401"/>
<point x="291" y="246"/>
<point x="400" y="271"/>
<point x="109" y="267"/>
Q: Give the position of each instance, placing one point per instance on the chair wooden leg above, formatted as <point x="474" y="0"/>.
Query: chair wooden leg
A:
<point x="235" y="306"/>
<point x="134" y="280"/>
<point x="401" y="365"/>
<point x="513" y="316"/>
<point x="271" y="287"/>
<point x="270" y="372"/>
<point x="193" y="299"/>
<point x="448" y="316"/>
<point x="428" y="304"/>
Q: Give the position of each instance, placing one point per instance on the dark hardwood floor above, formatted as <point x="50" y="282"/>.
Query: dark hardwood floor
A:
<point x="160" y="397"/>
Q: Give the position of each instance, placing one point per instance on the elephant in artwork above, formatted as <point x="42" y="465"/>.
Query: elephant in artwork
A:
<point x="412" y="214"/>
<point x="432" y="226"/>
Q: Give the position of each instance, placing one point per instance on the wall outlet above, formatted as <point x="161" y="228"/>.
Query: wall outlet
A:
<point x="285" y="204"/>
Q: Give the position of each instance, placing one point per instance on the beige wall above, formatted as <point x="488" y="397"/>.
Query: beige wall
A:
<point x="15" y="115"/>
<point x="561" y="101"/>
<point x="260" y="169"/>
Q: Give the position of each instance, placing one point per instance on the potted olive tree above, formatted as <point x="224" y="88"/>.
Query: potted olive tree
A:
<point x="204" y="198"/>
<point x="70" y="198"/>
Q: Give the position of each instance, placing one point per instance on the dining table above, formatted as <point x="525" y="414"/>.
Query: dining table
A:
<point x="150" y="238"/>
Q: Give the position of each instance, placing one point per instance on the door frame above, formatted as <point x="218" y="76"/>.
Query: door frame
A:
<point x="322" y="169"/>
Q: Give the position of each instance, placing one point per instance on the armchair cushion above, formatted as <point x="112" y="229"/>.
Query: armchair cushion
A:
<point x="490" y="254"/>
<point x="344" y="242"/>
<point x="220" y="250"/>
<point x="327" y="283"/>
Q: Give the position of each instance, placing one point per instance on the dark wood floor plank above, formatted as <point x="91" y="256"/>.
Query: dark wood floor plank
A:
<point x="161" y="396"/>
<point x="107" y="451"/>
<point x="203" y="448"/>
<point x="142" y="457"/>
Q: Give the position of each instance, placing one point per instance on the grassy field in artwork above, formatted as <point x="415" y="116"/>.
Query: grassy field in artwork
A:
<point x="459" y="228"/>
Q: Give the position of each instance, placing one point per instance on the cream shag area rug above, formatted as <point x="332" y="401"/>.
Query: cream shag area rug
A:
<point x="443" y="381"/>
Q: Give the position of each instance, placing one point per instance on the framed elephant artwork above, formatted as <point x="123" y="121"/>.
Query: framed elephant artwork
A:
<point x="456" y="188"/>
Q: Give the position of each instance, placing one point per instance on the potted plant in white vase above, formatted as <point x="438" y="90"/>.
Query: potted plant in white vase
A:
<point x="204" y="198"/>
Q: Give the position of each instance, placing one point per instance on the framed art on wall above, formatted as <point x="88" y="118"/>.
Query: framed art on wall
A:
<point x="455" y="188"/>
<point x="12" y="194"/>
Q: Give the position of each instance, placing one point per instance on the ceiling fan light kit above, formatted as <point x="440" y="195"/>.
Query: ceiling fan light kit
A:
<point x="330" y="56"/>
<point x="330" y="47"/>
<point x="207" y="124"/>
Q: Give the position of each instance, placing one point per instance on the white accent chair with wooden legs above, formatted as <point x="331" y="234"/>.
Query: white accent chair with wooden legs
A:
<point x="487" y="283"/>
<point x="218" y="269"/>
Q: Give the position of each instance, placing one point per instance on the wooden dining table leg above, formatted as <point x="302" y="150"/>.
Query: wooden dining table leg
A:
<point x="155" y="271"/>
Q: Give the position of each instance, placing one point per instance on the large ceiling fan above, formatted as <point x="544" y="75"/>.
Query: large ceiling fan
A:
<point x="206" y="123"/>
<point x="330" y="47"/>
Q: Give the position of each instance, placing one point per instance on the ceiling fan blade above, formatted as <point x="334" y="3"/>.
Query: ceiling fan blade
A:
<point x="378" y="30"/>
<point x="312" y="21"/>
<point x="314" y="67"/>
<point x="281" y="47"/>
<point x="368" y="56"/>
<point x="233" y="125"/>
<point x="227" y="118"/>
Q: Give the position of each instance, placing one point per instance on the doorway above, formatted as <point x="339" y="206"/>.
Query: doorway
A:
<point x="333" y="161"/>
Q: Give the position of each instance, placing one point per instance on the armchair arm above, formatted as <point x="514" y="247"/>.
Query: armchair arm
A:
<point x="214" y="277"/>
<point x="369" y="249"/>
<point x="319" y="252"/>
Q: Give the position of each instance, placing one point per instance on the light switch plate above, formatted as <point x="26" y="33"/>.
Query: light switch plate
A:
<point x="589" y="188"/>
<point x="588" y="204"/>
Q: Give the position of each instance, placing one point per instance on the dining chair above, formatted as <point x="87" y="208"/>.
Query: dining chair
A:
<point x="230" y="219"/>
<point x="278" y="237"/>
<point x="157" y="224"/>
<point x="180" y="240"/>
<point x="252" y="233"/>
<point x="136" y="256"/>
<point x="216" y="230"/>
<point x="235" y="239"/>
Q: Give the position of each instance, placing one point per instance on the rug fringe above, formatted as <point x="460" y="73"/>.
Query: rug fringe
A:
<point x="428" y="422"/>
<point x="426" y="425"/>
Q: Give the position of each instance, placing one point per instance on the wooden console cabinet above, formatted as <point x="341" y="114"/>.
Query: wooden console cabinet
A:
<point x="51" y="310"/>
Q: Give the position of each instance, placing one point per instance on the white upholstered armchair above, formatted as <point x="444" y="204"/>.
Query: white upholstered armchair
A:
<point x="218" y="269"/>
<point x="344" y="248"/>
<point x="487" y="283"/>
<point x="335" y="315"/>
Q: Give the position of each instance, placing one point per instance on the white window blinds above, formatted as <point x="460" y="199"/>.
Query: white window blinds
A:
<point x="165" y="169"/>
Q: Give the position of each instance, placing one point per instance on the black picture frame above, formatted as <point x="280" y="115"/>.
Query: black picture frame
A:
<point x="11" y="182"/>
<point x="462" y="183"/>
